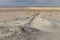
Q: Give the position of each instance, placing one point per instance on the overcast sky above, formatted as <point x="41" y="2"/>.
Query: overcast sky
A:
<point x="29" y="2"/>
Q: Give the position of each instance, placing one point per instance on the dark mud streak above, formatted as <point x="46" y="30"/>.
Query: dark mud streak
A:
<point x="30" y="34"/>
<point x="33" y="18"/>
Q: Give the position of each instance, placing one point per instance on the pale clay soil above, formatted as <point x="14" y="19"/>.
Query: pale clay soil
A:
<point x="30" y="25"/>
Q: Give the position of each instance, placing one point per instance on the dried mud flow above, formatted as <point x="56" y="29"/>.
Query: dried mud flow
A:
<point x="30" y="25"/>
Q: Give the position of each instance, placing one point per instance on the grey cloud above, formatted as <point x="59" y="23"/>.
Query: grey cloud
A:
<point x="29" y="2"/>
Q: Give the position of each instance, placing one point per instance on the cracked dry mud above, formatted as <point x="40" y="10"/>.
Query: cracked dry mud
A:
<point x="30" y="25"/>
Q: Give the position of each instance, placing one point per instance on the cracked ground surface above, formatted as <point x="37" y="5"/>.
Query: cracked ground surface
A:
<point x="30" y="25"/>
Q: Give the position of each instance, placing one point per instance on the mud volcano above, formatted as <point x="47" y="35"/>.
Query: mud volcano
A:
<point x="29" y="24"/>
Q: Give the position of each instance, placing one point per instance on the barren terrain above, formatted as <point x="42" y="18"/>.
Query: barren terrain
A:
<point x="19" y="24"/>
